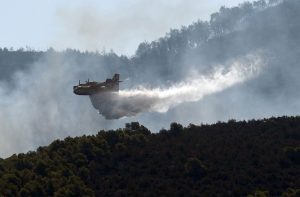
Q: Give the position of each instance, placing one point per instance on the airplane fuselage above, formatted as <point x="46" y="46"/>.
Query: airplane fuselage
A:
<point x="89" y="88"/>
<point x="85" y="89"/>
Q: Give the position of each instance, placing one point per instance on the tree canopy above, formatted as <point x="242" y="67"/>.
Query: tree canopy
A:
<point x="255" y="158"/>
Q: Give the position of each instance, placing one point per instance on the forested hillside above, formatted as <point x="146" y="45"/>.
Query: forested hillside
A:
<point x="257" y="157"/>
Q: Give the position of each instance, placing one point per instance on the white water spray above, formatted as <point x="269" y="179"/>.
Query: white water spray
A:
<point x="129" y="102"/>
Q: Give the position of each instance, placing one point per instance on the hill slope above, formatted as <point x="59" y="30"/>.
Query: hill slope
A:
<point x="227" y="159"/>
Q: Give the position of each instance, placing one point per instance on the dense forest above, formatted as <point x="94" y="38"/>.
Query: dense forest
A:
<point x="255" y="158"/>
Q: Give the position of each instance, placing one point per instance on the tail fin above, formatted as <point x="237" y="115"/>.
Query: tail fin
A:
<point x="116" y="82"/>
<point x="116" y="77"/>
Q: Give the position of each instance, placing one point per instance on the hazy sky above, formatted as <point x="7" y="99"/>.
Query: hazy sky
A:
<point x="97" y="24"/>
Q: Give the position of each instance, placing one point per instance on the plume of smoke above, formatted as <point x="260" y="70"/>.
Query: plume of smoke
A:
<point x="42" y="106"/>
<point x="120" y="32"/>
<point x="130" y="102"/>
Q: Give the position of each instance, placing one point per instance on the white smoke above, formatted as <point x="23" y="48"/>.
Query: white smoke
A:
<point x="130" y="102"/>
<point x="42" y="107"/>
